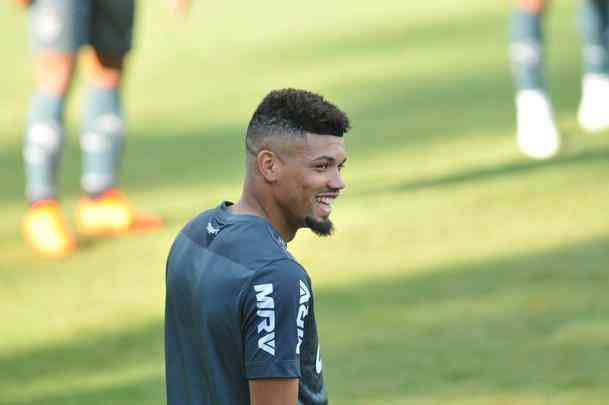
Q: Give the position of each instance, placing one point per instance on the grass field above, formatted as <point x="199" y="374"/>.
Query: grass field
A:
<point x="461" y="273"/>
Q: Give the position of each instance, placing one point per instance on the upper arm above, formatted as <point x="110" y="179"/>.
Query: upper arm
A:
<point x="274" y="391"/>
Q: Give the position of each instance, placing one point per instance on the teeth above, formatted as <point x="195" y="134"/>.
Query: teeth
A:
<point x="325" y="200"/>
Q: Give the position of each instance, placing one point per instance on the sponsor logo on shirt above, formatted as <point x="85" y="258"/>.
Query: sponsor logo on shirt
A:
<point x="266" y="313"/>
<point x="303" y="311"/>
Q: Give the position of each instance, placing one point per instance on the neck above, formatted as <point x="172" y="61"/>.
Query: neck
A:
<point x="262" y="205"/>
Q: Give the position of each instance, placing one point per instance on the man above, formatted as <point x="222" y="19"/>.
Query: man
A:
<point x="58" y="30"/>
<point x="240" y="322"/>
<point x="537" y="134"/>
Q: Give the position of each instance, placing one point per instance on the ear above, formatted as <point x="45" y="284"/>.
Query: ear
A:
<point x="269" y="165"/>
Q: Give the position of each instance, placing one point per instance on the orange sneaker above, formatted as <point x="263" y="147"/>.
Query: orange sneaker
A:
<point x="46" y="230"/>
<point x="112" y="214"/>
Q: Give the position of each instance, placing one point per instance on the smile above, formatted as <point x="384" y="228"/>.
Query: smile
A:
<point x="324" y="203"/>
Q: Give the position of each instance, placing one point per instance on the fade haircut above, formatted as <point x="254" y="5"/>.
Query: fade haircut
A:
<point x="293" y="112"/>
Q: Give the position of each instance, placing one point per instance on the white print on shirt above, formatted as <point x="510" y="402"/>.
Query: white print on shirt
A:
<point x="266" y="313"/>
<point x="303" y="311"/>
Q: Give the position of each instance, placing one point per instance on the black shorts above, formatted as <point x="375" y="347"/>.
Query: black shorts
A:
<point x="67" y="25"/>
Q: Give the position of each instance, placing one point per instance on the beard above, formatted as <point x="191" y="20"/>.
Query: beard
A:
<point x="323" y="227"/>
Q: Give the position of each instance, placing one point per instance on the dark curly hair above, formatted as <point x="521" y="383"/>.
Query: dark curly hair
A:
<point x="295" y="112"/>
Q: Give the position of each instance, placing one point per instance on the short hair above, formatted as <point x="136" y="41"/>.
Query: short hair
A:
<point x="294" y="112"/>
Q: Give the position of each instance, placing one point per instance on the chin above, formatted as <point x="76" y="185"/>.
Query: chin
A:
<point x="319" y="226"/>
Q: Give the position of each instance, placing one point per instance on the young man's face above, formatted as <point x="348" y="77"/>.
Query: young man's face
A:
<point x="311" y="181"/>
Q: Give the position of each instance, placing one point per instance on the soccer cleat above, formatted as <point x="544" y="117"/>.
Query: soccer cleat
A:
<point x="46" y="231"/>
<point x="537" y="135"/>
<point x="112" y="214"/>
<point x="593" y="115"/>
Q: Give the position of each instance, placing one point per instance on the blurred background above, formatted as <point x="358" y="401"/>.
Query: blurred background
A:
<point x="461" y="272"/>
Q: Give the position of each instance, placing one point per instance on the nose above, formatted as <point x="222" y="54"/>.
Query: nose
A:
<point x="337" y="182"/>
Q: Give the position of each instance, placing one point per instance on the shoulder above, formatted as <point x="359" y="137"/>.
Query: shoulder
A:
<point x="285" y="268"/>
<point x="281" y="286"/>
<point x="253" y="244"/>
<point x="244" y="239"/>
<point x="280" y="276"/>
<point x="195" y="228"/>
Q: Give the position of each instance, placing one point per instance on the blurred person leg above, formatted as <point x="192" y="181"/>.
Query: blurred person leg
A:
<point x="105" y="210"/>
<point x="593" y="24"/>
<point x="537" y="134"/>
<point x="57" y="31"/>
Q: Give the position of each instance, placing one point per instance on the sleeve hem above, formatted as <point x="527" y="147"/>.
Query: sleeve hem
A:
<point x="277" y="369"/>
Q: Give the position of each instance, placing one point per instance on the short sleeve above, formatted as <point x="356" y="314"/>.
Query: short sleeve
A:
<point x="272" y="320"/>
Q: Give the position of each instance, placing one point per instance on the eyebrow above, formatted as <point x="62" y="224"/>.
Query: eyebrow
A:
<point x="330" y="159"/>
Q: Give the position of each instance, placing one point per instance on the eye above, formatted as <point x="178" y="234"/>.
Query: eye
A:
<point x="322" y="166"/>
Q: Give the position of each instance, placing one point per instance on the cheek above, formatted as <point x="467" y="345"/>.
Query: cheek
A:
<point x="297" y="194"/>
<point x="290" y="192"/>
<point x="298" y="189"/>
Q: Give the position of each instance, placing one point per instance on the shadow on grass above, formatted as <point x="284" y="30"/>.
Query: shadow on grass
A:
<point x="494" y="172"/>
<point x="529" y="324"/>
<point x="534" y="323"/>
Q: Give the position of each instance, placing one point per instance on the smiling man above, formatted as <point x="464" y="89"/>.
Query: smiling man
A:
<point x="240" y="322"/>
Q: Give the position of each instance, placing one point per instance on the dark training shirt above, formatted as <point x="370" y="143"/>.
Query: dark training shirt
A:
<point x="238" y="307"/>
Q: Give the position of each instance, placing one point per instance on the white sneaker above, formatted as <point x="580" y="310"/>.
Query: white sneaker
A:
<point x="537" y="134"/>
<point x="593" y="113"/>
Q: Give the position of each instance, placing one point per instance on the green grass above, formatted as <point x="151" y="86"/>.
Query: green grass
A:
<point x="461" y="273"/>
